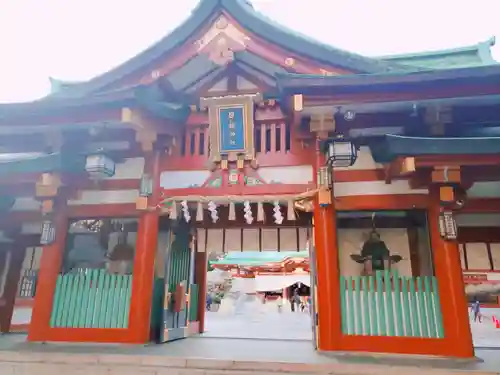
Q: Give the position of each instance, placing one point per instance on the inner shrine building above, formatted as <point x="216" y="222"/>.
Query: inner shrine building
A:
<point x="233" y="133"/>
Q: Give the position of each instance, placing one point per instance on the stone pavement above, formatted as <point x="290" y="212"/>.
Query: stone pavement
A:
<point x="212" y="356"/>
<point x="272" y="343"/>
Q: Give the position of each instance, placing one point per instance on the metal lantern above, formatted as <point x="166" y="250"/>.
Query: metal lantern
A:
<point x="146" y="187"/>
<point x="341" y="153"/>
<point x="99" y="165"/>
<point x="447" y="226"/>
<point x="48" y="235"/>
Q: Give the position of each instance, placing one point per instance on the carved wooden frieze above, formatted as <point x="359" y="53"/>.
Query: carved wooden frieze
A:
<point x="231" y="124"/>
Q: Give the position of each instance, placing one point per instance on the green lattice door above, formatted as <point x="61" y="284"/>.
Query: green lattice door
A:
<point x="177" y="281"/>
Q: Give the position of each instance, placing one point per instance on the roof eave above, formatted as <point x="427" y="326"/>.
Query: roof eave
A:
<point x="296" y="83"/>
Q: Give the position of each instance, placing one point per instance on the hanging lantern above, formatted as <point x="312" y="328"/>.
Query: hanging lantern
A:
<point x="278" y="217"/>
<point x="341" y="153"/>
<point x="146" y="187"/>
<point x="447" y="226"/>
<point x="99" y="165"/>
<point x="248" y="212"/>
<point x="185" y="211"/>
<point x="212" y="207"/>
<point x="48" y="234"/>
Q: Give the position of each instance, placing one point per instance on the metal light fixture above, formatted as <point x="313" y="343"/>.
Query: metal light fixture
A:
<point x="447" y="226"/>
<point x="349" y="115"/>
<point x="99" y="165"/>
<point x="146" y="187"/>
<point x="341" y="153"/>
<point x="48" y="234"/>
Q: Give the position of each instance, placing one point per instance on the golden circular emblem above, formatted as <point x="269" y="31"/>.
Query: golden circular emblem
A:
<point x="221" y="23"/>
<point x="289" y="61"/>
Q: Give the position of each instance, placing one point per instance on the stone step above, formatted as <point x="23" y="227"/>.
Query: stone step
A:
<point x="52" y="363"/>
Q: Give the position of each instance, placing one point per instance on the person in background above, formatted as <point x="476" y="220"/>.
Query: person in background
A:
<point x="476" y="310"/>
<point x="208" y="301"/>
<point x="296" y="299"/>
<point x="279" y="303"/>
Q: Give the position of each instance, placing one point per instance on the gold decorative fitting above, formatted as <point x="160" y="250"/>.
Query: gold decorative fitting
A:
<point x="141" y="203"/>
<point x="289" y="61"/>
<point x="221" y="41"/>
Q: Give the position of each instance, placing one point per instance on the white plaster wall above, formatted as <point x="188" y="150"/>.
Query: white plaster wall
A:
<point x="351" y="241"/>
<point x="131" y="168"/>
<point x="105" y="197"/>
<point x="183" y="179"/>
<point x="26" y="204"/>
<point x="299" y="174"/>
<point x="364" y="161"/>
<point x="400" y="187"/>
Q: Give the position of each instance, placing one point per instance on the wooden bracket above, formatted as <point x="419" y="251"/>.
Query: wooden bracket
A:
<point x="298" y="103"/>
<point x="399" y="167"/>
<point x="446" y="175"/>
<point x="146" y="139"/>
<point x="322" y="123"/>
<point x="47" y="185"/>
<point x="437" y="117"/>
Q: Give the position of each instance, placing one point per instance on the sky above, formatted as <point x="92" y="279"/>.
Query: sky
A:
<point x="78" y="39"/>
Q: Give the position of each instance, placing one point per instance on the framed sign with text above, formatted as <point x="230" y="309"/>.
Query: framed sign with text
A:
<point x="231" y="124"/>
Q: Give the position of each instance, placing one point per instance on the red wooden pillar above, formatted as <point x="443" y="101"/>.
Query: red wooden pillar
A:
<point x="144" y="261"/>
<point x="50" y="265"/>
<point x="327" y="272"/>
<point x="451" y="286"/>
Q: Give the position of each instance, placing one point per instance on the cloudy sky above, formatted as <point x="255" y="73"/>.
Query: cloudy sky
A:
<point x="78" y="39"/>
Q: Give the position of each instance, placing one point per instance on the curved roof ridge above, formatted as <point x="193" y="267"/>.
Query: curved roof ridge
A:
<point x="478" y="47"/>
<point x="243" y="13"/>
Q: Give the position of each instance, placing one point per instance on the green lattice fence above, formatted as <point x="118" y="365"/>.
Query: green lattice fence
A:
<point x="391" y="305"/>
<point x="92" y="299"/>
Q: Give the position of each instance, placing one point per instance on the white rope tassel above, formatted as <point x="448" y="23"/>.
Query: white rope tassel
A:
<point x="278" y="217"/>
<point x="199" y="212"/>
<point x="185" y="211"/>
<point x="232" y="212"/>
<point x="260" y="212"/>
<point x="212" y="207"/>
<point x="248" y="212"/>
<point x="291" y="211"/>
<point x="173" y="211"/>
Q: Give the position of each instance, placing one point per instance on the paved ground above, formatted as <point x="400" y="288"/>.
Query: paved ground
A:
<point x="250" y="353"/>
<point x="259" y="322"/>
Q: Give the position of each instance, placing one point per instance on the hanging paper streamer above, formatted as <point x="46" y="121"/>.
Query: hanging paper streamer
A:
<point x="199" y="212"/>
<point x="185" y="211"/>
<point x="232" y="211"/>
<point x="212" y="207"/>
<point x="260" y="212"/>
<point x="291" y="211"/>
<point x="278" y="217"/>
<point x="173" y="211"/>
<point x="248" y="212"/>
